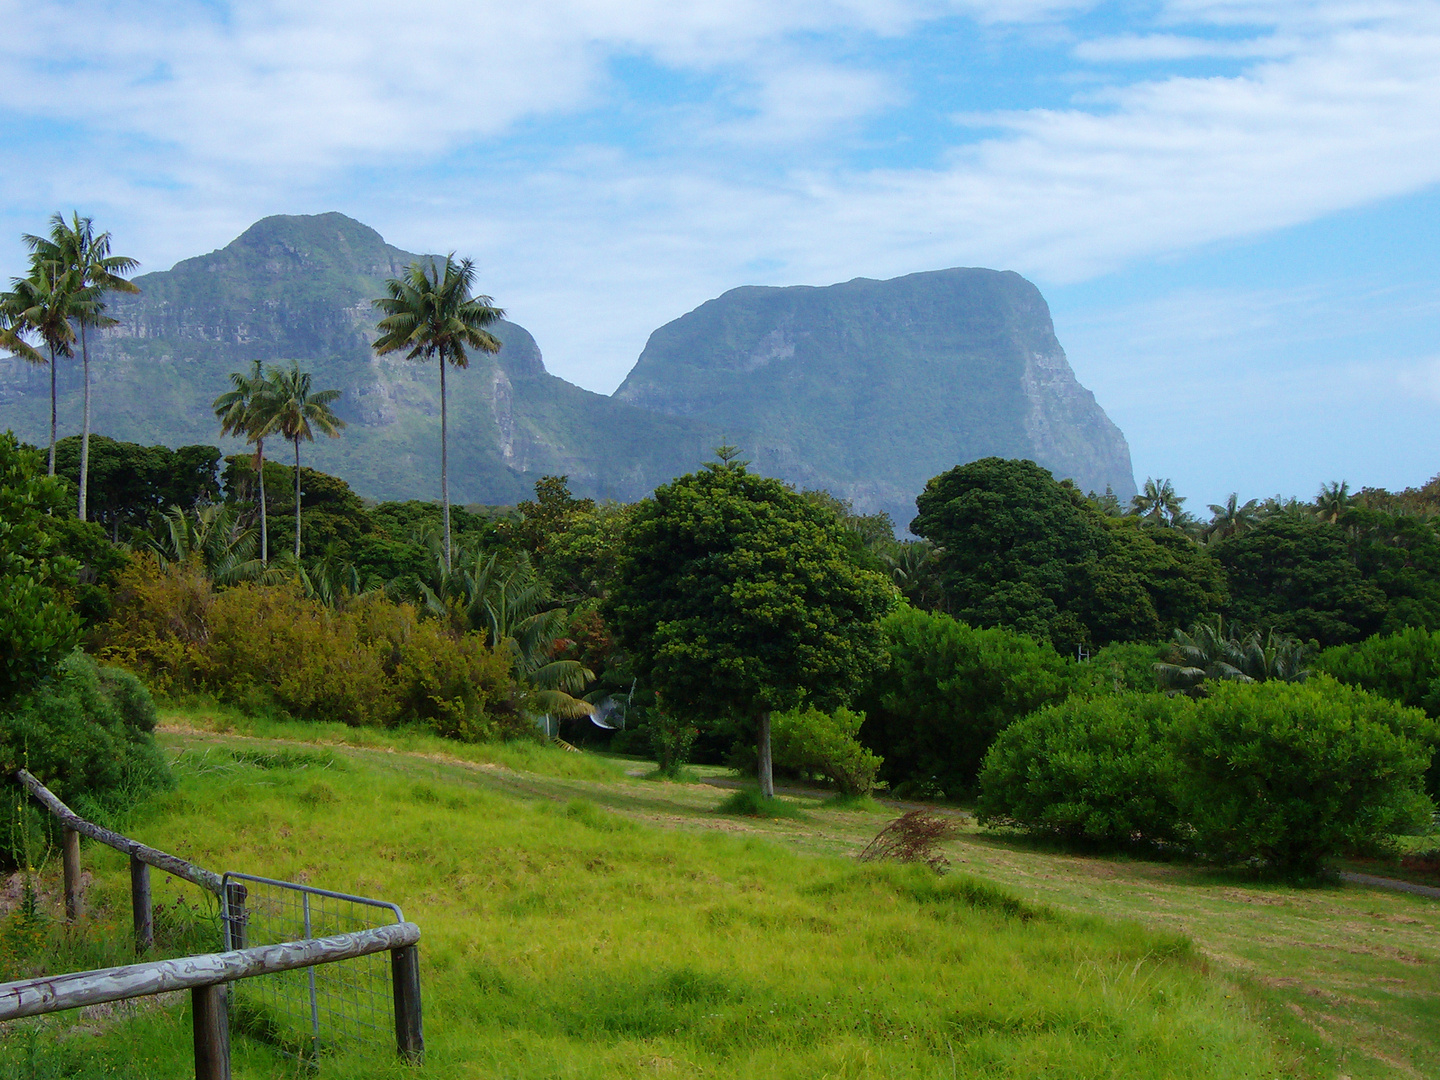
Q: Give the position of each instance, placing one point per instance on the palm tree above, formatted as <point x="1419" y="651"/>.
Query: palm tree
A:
<point x="296" y="411"/>
<point x="45" y="302"/>
<point x="1332" y="501"/>
<point x="245" y="409"/>
<point x="78" y="251"/>
<point x="1232" y="519"/>
<point x="430" y="313"/>
<point x="1158" y="504"/>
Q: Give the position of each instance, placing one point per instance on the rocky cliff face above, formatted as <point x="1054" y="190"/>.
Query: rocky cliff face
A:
<point x="869" y="388"/>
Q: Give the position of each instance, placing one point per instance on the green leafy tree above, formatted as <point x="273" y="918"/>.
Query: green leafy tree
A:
<point x="297" y="411"/>
<point x="948" y="690"/>
<point x="1332" y="501"/>
<point x="1019" y="549"/>
<point x="430" y="314"/>
<point x="247" y="409"/>
<point x="736" y="597"/>
<point x="37" y="629"/>
<point x="1297" y="576"/>
<point x="75" y="248"/>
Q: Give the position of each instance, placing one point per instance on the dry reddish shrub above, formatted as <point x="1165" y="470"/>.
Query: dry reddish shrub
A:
<point x="912" y="837"/>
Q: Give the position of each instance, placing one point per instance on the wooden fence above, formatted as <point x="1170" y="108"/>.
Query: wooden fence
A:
<point x="205" y="976"/>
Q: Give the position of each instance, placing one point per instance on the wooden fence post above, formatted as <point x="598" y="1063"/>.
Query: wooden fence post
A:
<point x="74" y="902"/>
<point x="405" y="977"/>
<point x="140" y="905"/>
<point x="212" y="1032"/>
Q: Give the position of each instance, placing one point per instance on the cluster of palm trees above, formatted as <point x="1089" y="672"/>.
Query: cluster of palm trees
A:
<point x="276" y="401"/>
<point x="1159" y="505"/>
<point x="1210" y="652"/>
<point x="58" y="302"/>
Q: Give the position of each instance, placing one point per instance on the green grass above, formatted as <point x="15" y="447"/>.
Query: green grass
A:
<point x="595" y="925"/>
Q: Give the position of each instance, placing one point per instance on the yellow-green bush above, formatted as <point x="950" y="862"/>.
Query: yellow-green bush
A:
<point x="370" y="662"/>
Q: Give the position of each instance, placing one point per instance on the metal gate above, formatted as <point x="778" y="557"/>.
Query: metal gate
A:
<point x="311" y="1010"/>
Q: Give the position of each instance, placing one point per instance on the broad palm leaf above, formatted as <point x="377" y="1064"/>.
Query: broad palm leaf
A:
<point x="297" y="411"/>
<point x="246" y="409"/>
<point x="428" y="314"/>
<point x="77" y="250"/>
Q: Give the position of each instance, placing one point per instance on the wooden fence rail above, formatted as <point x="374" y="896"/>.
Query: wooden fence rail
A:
<point x="206" y="976"/>
<point x="142" y="857"/>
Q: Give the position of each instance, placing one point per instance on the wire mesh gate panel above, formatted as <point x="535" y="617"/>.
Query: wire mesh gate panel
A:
<point x="308" y="1011"/>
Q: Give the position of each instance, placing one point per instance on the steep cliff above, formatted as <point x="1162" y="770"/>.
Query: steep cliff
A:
<point x="869" y="388"/>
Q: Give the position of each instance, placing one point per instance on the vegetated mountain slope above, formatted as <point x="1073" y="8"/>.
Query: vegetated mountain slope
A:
<point x="869" y="388"/>
<point x="299" y="288"/>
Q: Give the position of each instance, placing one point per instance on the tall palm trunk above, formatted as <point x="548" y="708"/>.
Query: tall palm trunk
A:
<point x="52" y="411"/>
<point x="297" y="497"/>
<point x="264" y="522"/>
<point x="85" y="438"/>
<point x="444" y="466"/>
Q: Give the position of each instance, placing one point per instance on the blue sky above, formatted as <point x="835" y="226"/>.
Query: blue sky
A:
<point x="1230" y="204"/>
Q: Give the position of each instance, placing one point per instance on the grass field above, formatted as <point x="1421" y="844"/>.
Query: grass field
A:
<point x="581" y="922"/>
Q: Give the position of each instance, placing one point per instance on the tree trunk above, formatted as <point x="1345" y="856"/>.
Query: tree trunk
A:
<point x="297" y="498"/>
<point x="52" y="411"/>
<point x="767" y="778"/>
<point x="444" y="467"/>
<point x="85" y="438"/>
<point x="264" y="523"/>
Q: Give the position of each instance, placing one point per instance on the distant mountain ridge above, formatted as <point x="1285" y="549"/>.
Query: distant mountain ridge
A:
<point x="866" y="388"/>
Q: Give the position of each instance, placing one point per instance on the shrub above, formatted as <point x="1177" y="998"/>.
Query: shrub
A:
<point x="274" y="643"/>
<point x="452" y="683"/>
<point x="1100" y="770"/>
<point x="912" y="837"/>
<point x="670" y="741"/>
<point x="372" y="662"/>
<point x="86" y="735"/>
<point x="810" y="741"/>
<point x="1403" y="667"/>
<point x="1292" y="773"/>
<point x="948" y="691"/>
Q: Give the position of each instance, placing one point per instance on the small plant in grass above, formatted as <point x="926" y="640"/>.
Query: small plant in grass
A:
<point x="747" y="802"/>
<point x="671" y="739"/>
<point x="915" y="838"/>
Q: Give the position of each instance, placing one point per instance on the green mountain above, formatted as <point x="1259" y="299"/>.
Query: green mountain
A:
<point x="299" y="288"/>
<point x="869" y="388"/>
